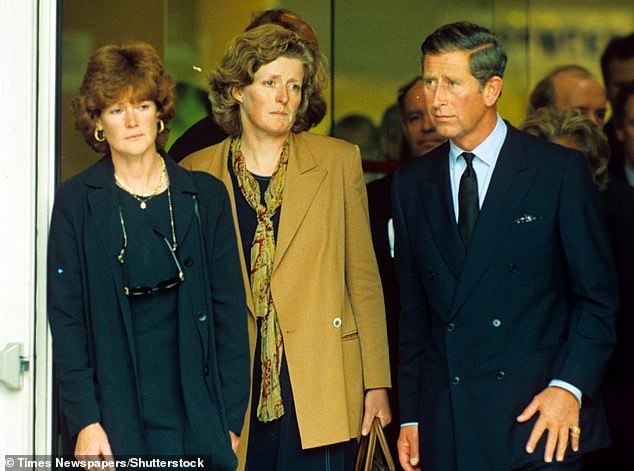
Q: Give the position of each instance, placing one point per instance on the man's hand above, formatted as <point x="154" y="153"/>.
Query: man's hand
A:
<point x="559" y="414"/>
<point x="377" y="404"/>
<point x="407" y="446"/>
<point x="235" y="441"/>
<point x="92" y="443"/>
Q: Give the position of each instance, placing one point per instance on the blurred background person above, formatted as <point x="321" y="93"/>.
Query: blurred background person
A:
<point x="391" y="133"/>
<point x="617" y="68"/>
<point x="570" y="128"/>
<point x="420" y="134"/>
<point x="571" y="86"/>
<point x="623" y="121"/>
<point x="419" y="137"/>
<point x="207" y="132"/>
<point x="361" y="131"/>
<point x="192" y="101"/>
<point x="145" y="298"/>
<point x="316" y="317"/>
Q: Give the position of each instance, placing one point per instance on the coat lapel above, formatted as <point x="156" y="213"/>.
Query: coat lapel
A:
<point x="511" y="179"/>
<point x="436" y="191"/>
<point x="303" y="179"/>
<point x="183" y="191"/>
<point x="104" y="210"/>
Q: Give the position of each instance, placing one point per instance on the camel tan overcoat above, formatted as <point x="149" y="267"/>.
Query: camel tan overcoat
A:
<point x="325" y="285"/>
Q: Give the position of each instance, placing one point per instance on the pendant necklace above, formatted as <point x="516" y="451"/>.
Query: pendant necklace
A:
<point x="143" y="199"/>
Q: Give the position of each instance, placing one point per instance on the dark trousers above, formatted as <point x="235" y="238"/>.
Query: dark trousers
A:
<point x="571" y="464"/>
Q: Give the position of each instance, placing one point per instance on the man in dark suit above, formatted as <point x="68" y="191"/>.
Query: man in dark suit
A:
<point x="507" y="285"/>
<point x="617" y="67"/>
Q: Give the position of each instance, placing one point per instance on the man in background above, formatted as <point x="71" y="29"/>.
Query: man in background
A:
<point x="419" y="137"/>
<point x="419" y="132"/>
<point x="617" y="67"/>
<point x="571" y="86"/>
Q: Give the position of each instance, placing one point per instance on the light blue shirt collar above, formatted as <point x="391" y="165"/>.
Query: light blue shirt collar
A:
<point x="489" y="149"/>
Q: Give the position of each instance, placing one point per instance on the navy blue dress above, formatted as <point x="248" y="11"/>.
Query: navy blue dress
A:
<point x="155" y="323"/>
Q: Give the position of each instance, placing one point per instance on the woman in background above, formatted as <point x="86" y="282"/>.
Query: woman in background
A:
<point x="145" y="296"/>
<point x="571" y="128"/>
<point x="316" y="316"/>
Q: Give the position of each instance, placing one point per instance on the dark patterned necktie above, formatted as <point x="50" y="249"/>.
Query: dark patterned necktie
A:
<point x="468" y="208"/>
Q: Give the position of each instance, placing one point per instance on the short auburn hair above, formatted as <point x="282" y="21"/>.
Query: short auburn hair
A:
<point x="133" y="71"/>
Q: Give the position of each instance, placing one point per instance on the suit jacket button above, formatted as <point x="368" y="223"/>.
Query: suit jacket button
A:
<point x="450" y="327"/>
<point x="455" y="380"/>
<point x="336" y="322"/>
<point x="202" y="317"/>
<point x="188" y="261"/>
<point x="500" y="376"/>
<point x="206" y="370"/>
<point x="432" y="275"/>
<point x="513" y="268"/>
<point x="496" y="322"/>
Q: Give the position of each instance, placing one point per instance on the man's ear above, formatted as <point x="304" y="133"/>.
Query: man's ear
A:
<point x="236" y="93"/>
<point x="492" y="90"/>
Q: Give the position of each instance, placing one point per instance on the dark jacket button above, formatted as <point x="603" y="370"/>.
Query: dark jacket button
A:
<point x="206" y="370"/>
<point x="450" y="327"/>
<point x="455" y="380"/>
<point x="500" y="376"/>
<point x="202" y="317"/>
<point x="432" y="275"/>
<point x="512" y="268"/>
<point x="188" y="261"/>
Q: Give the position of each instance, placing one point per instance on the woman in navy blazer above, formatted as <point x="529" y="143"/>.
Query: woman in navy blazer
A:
<point x="145" y="296"/>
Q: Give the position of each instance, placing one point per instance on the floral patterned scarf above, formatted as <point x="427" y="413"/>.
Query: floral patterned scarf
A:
<point x="270" y="405"/>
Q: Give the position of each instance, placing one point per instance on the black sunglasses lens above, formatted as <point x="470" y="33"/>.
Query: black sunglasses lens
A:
<point x="168" y="284"/>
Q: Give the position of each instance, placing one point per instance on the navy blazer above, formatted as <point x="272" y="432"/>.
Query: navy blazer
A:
<point x="483" y="330"/>
<point x="91" y="321"/>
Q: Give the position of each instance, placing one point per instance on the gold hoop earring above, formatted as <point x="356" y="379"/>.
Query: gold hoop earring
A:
<point x="161" y="126"/>
<point x="99" y="137"/>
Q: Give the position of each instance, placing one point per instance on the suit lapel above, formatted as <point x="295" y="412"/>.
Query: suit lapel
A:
<point x="303" y="179"/>
<point x="219" y="167"/>
<point x="511" y="179"/>
<point x="438" y="204"/>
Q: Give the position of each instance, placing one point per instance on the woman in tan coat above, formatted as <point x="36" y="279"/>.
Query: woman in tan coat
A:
<point x="316" y="317"/>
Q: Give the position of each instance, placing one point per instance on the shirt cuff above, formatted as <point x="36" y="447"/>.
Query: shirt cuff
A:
<point x="407" y="424"/>
<point x="568" y="387"/>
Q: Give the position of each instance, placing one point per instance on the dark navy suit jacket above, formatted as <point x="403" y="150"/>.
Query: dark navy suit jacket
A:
<point x="483" y="330"/>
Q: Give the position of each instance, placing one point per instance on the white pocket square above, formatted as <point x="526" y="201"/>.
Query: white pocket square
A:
<point x="526" y="218"/>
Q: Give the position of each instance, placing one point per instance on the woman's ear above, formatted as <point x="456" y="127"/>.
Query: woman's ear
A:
<point x="236" y="93"/>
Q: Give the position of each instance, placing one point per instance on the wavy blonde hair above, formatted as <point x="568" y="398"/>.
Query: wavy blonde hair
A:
<point x="133" y="71"/>
<point x="244" y="56"/>
<point x="550" y="123"/>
